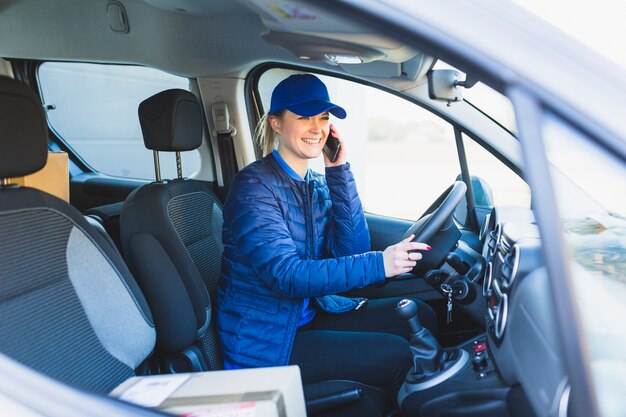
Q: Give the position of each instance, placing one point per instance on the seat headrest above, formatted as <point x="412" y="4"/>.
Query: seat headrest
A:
<point x="23" y="130"/>
<point x="171" y="121"/>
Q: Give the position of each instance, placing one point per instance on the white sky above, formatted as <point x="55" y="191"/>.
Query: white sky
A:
<point x="597" y="23"/>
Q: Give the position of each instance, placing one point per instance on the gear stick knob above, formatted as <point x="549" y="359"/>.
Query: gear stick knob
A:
<point x="427" y="354"/>
<point x="407" y="310"/>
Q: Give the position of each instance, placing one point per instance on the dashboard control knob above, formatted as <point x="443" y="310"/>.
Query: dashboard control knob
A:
<point x="479" y="362"/>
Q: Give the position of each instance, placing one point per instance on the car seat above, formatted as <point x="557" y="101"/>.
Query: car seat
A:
<point x="170" y="232"/>
<point x="171" y="238"/>
<point x="70" y="308"/>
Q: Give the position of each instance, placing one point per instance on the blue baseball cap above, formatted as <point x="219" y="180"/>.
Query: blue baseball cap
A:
<point x="304" y="95"/>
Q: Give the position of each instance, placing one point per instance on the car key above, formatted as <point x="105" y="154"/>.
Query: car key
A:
<point x="447" y="289"/>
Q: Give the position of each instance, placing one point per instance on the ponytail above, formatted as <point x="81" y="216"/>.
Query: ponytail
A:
<point x="264" y="135"/>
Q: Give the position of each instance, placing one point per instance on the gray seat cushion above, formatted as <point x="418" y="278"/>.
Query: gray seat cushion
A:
<point x="69" y="307"/>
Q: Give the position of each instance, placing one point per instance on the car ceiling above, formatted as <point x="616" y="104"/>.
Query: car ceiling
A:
<point x="203" y="38"/>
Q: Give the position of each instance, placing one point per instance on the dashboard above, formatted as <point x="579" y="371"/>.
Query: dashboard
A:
<point x="521" y="329"/>
<point x="512" y="241"/>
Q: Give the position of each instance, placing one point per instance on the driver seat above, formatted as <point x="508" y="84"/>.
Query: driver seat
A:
<point x="171" y="238"/>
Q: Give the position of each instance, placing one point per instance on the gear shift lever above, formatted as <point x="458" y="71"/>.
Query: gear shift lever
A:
<point x="407" y="310"/>
<point x="427" y="354"/>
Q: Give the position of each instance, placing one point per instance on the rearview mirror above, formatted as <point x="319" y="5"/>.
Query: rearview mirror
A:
<point x="443" y="85"/>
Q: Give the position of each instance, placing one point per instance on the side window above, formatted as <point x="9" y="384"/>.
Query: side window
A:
<point x="506" y="187"/>
<point x="403" y="157"/>
<point x="95" y="112"/>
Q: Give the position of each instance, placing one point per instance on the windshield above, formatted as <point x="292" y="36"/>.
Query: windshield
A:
<point x="493" y="104"/>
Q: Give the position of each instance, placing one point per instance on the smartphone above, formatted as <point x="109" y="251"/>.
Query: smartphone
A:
<point x="332" y="147"/>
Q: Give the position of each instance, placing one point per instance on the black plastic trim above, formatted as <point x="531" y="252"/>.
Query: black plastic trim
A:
<point x="330" y="401"/>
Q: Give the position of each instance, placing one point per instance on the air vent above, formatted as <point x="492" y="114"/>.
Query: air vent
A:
<point x="505" y="244"/>
<point x="483" y="231"/>
<point x="487" y="280"/>
<point x="510" y="265"/>
<point x="502" y="314"/>
<point x="494" y="239"/>
<point x="499" y="311"/>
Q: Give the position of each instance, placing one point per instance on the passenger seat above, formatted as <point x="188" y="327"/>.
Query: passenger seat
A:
<point x="69" y="307"/>
<point x="170" y="232"/>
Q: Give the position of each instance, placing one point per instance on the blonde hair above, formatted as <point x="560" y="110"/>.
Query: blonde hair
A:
<point x="264" y="135"/>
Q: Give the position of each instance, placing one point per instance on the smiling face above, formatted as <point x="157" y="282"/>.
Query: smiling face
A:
<point x="300" y="138"/>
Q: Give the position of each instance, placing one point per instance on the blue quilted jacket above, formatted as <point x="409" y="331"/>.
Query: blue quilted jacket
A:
<point x="284" y="241"/>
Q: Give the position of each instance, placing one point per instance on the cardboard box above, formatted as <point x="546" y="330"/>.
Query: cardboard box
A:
<point x="259" y="392"/>
<point x="54" y="178"/>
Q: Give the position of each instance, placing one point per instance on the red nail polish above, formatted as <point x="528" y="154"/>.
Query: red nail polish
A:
<point x="427" y="247"/>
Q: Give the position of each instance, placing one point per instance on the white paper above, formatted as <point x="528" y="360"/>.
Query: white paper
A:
<point x="152" y="391"/>
<point x="230" y="410"/>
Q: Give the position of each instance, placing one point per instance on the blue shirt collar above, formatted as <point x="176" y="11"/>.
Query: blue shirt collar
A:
<point x="288" y="169"/>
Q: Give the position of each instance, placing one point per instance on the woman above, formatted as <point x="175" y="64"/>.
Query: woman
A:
<point x="293" y="238"/>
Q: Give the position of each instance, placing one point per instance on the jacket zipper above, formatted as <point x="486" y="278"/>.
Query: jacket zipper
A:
<point x="310" y="225"/>
<point x="308" y="221"/>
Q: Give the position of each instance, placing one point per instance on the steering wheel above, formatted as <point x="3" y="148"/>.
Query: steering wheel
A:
<point x="437" y="228"/>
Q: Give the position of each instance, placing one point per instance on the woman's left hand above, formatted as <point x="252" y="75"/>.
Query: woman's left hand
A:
<point x="341" y="157"/>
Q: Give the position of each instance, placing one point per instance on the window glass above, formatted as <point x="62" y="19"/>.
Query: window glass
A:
<point x="507" y="188"/>
<point x="95" y="113"/>
<point x="487" y="100"/>
<point x="589" y="184"/>
<point x="403" y="157"/>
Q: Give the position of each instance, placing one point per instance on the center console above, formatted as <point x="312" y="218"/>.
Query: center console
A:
<point x="481" y="376"/>
<point x="471" y="386"/>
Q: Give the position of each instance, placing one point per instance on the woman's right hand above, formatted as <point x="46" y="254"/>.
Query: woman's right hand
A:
<point x="400" y="258"/>
<point x="341" y="157"/>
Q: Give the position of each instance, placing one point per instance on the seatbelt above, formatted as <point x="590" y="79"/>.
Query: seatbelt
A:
<point x="224" y="132"/>
<point x="472" y="219"/>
